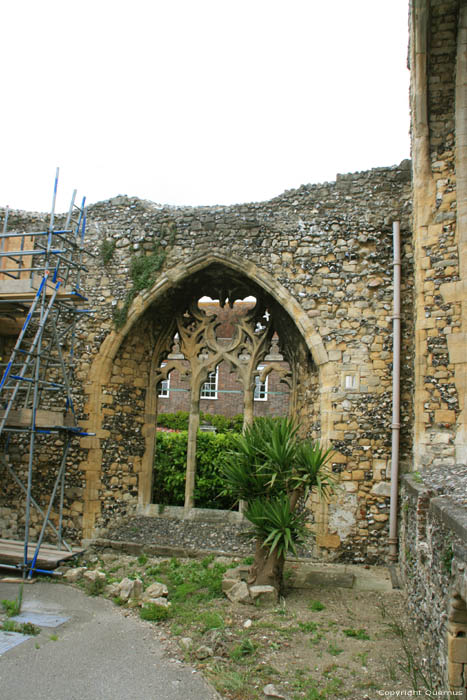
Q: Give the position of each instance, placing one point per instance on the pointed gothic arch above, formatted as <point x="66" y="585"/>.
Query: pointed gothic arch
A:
<point x="164" y="292"/>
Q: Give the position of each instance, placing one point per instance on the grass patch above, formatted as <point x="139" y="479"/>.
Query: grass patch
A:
<point x="334" y="650"/>
<point x="21" y="627"/>
<point x="13" y="607"/>
<point x="154" y="613"/>
<point x="316" y="606"/>
<point x="229" y="681"/>
<point x="242" y="650"/>
<point x="356" y="634"/>
<point x="307" y="626"/>
<point x="96" y="587"/>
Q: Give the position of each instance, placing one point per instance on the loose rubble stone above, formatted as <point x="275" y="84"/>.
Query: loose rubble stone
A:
<point x="129" y="588"/>
<point x="186" y="643"/>
<point x="204" y="652"/>
<point x="271" y="691"/>
<point x="112" y="590"/>
<point x="156" y="590"/>
<point x="239" y="593"/>
<point x="73" y="575"/>
<point x="94" y="575"/>
<point x="162" y="602"/>
<point x="266" y="594"/>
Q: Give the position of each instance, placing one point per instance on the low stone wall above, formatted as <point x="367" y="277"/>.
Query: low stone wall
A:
<point x="433" y="564"/>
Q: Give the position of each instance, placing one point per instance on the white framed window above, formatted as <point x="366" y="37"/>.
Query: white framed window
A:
<point x="164" y="387"/>
<point x="350" y="381"/>
<point x="209" y="388"/>
<point x="261" y="388"/>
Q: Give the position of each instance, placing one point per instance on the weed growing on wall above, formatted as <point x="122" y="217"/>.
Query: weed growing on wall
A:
<point x="143" y="271"/>
<point x="107" y="250"/>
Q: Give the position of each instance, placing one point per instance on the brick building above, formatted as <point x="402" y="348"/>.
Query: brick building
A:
<point x="222" y="394"/>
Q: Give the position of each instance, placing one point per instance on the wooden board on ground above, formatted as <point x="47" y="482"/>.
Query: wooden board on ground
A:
<point x="16" y="579"/>
<point x="12" y="552"/>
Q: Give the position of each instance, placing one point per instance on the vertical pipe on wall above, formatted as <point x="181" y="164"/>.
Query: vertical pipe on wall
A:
<point x="393" y="540"/>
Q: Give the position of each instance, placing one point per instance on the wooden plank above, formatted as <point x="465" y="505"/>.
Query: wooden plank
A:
<point x="11" y="326"/>
<point x="12" y="552"/>
<point x="44" y="547"/>
<point x="10" y="244"/>
<point x="44" y="418"/>
<point x="26" y="289"/>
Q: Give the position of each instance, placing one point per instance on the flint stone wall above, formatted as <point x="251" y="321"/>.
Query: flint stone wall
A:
<point x="433" y="565"/>
<point x="329" y="246"/>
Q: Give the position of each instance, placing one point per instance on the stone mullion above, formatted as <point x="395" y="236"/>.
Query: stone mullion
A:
<point x="193" y="425"/>
<point x="146" y="481"/>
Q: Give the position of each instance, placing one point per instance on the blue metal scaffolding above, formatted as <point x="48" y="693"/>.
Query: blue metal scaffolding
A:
<point x="40" y="287"/>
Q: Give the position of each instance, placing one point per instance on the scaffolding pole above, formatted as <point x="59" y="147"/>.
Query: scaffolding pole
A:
<point x="40" y="284"/>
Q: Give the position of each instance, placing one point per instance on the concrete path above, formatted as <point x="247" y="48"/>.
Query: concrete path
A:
<point x="99" y="655"/>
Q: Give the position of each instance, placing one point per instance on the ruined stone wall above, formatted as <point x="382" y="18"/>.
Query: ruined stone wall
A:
<point x="440" y="235"/>
<point x="434" y="564"/>
<point x="433" y="529"/>
<point x="326" y="250"/>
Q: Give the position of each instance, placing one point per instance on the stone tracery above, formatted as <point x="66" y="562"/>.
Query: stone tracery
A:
<point x="196" y="343"/>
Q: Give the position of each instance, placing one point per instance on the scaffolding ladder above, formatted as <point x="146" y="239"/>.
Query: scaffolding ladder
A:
<point x="41" y="297"/>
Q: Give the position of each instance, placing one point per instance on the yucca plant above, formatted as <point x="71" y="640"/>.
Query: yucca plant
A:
<point x="272" y="469"/>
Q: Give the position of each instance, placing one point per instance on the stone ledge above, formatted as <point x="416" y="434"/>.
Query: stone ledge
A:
<point x="201" y="514"/>
<point x="416" y="488"/>
<point x="453" y="516"/>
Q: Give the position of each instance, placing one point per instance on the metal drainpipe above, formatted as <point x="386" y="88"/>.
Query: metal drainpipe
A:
<point x="396" y="369"/>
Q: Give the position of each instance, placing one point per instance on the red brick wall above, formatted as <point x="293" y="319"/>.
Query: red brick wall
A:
<point x="227" y="404"/>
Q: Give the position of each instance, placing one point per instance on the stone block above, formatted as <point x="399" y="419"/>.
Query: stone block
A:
<point x="93" y="576"/>
<point x="457" y="346"/>
<point x="312" y="577"/>
<point x="382" y="488"/>
<point x="239" y="593"/>
<point x="130" y="589"/>
<point x="457" y="649"/>
<point x="455" y="674"/>
<point x="156" y="590"/>
<point x="161" y="602"/>
<point x="73" y="575"/>
<point x="266" y="594"/>
<point x="445" y="416"/>
<point x="228" y="583"/>
<point x="328" y="541"/>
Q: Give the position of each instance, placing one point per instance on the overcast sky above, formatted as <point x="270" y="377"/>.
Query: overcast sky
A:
<point x="198" y="101"/>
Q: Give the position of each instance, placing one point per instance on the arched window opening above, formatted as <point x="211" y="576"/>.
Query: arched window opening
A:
<point x="232" y="354"/>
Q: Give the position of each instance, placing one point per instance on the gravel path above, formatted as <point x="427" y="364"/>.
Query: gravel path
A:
<point x="450" y="481"/>
<point x="191" y="534"/>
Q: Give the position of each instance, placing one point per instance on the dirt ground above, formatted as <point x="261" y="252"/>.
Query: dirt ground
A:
<point x="321" y="642"/>
<point x="348" y="649"/>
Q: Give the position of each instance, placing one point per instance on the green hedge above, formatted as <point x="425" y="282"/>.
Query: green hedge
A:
<point x="179" y="421"/>
<point x="170" y="469"/>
